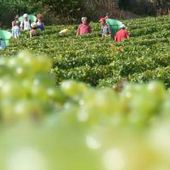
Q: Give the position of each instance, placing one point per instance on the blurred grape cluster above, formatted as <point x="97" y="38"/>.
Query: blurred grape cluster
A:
<point x="26" y="88"/>
<point x="77" y="127"/>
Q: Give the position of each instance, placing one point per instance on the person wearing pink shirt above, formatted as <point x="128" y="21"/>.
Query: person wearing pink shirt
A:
<point x="121" y="35"/>
<point x="84" y="28"/>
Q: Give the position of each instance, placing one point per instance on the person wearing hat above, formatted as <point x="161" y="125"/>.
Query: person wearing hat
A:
<point x="33" y="30"/>
<point x="25" y="24"/>
<point x="104" y="28"/>
<point x="84" y="28"/>
<point x="121" y="34"/>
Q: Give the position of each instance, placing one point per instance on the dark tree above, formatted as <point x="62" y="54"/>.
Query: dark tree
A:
<point x="124" y="4"/>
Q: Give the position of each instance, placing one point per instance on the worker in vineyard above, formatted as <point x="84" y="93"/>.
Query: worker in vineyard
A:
<point x="40" y="23"/>
<point x="26" y="23"/>
<point x="33" y="30"/>
<point x="104" y="28"/>
<point x="2" y="44"/>
<point x="15" y="21"/>
<point x="121" y="34"/>
<point x="15" y="29"/>
<point x="117" y="29"/>
<point x="84" y="28"/>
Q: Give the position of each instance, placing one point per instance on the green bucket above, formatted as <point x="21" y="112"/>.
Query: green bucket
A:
<point x="5" y="36"/>
<point x="32" y="18"/>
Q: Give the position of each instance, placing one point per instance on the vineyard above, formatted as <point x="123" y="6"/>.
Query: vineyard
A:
<point x="49" y="121"/>
<point x="145" y="56"/>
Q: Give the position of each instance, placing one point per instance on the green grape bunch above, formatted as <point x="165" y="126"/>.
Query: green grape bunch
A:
<point x="27" y="89"/>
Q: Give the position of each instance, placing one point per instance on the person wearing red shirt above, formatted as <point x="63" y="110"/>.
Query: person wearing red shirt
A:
<point x="121" y="35"/>
<point x="84" y="28"/>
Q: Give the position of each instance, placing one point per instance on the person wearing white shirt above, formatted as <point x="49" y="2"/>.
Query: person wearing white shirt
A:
<point x="16" y="30"/>
<point x="25" y="24"/>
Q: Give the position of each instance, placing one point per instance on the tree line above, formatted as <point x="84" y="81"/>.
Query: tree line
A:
<point x="70" y="10"/>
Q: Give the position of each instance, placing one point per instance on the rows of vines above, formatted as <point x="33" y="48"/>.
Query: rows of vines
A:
<point x="101" y="62"/>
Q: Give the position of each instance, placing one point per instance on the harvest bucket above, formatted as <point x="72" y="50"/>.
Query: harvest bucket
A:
<point x="5" y="37"/>
<point x="114" y="25"/>
<point x="32" y="18"/>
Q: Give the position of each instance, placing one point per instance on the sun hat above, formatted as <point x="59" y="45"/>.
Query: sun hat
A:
<point x="25" y="15"/>
<point x="122" y="26"/>
<point x="33" y="25"/>
<point x="84" y="19"/>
